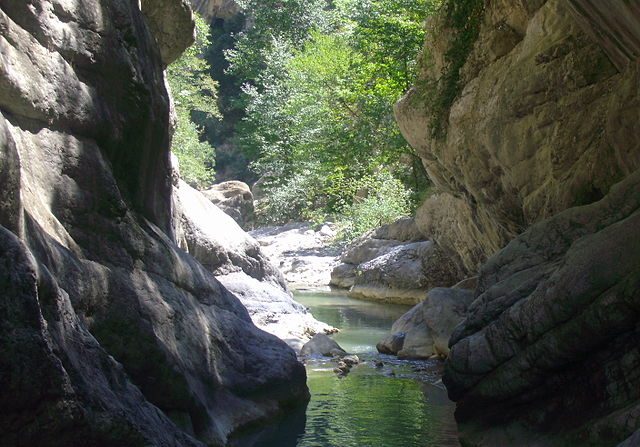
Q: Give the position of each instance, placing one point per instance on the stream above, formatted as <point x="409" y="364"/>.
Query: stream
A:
<point x="400" y="404"/>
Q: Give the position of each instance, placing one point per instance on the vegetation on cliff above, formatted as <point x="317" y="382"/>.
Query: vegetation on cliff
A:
<point x="194" y="92"/>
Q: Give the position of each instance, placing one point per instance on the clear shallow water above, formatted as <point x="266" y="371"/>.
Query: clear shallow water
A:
<point x="397" y="405"/>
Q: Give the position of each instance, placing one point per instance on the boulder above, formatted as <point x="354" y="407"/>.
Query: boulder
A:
<point x="343" y="276"/>
<point x="404" y="274"/>
<point x="404" y="229"/>
<point x="322" y="345"/>
<point x="424" y="331"/>
<point x="235" y="199"/>
<point x="394" y="263"/>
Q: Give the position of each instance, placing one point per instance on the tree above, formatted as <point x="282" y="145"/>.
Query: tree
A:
<point x="194" y="91"/>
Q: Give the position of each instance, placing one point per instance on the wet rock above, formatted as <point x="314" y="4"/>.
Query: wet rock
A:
<point x="351" y="360"/>
<point x="424" y="331"/>
<point x="322" y="345"/>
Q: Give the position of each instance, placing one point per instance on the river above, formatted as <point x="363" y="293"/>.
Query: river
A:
<point x="400" y="404"/>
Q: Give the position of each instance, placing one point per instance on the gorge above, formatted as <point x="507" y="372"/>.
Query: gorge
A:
<point x="134" y="312"/>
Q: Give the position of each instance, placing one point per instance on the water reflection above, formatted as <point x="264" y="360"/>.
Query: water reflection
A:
<point x="397" y="405"/>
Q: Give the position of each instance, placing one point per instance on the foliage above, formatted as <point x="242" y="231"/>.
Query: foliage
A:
<point x="386" y="199"/>
<point x="193" y="91"/>
<point x="464" y="17"/>
<point x="314" y="113"/>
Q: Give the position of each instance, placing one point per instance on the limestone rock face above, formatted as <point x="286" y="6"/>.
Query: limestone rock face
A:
<point x="425" y="330"/>
<point x="551" y="343"/>
<point x="544" y="122"/>
<point x="540" y="141"/>
<point x="235" y="199"/>
<point x="110" y="333"/>
<point x="216" y="9"/>
<point x="394" y="264"/>
<point x="237" y="261"/>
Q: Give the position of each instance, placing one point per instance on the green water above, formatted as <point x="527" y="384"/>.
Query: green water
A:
<point x="397" y="405"/>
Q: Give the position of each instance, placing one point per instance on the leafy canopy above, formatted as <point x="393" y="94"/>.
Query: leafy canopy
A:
<point x="193" y="90"/>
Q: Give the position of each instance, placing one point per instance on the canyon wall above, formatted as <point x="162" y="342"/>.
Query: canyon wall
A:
<point x="543" y="121"/>
<point x="110" y="334"/>
<point x="536" y="165"/>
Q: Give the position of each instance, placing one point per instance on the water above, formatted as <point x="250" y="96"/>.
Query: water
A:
<point x="398" y="405"/>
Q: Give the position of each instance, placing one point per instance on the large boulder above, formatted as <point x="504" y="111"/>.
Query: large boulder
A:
<point x="425" y="330"/>
<point x="237" y="261"/>
<point x="404" y="274"/>
<point x="111" y="334"/>
<point x="550" y="348"/>
<point x="394" y="263"/>
<point x="235" y="199"/>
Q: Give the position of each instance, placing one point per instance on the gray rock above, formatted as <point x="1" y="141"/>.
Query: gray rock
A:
<point x="237" y="261"/>
<point x="120" y="326"/>
<point x="424" y="331"/>
<point x="404" y="274"/>
<point x="557" y="308"/>
<point x="383" y="266"/>
<point x="216" y="9"/>
<point x="305" y="257"/>
<point x="169" y="21"/>
<point x="322" y="345"/>
<point x="235" y="199"/>
<point x="351" y="360"/>
<point x="404" y="229"/>
<point x="343" y="276"/>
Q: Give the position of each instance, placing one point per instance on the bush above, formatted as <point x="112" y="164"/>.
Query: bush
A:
<point x="386" y="200"/>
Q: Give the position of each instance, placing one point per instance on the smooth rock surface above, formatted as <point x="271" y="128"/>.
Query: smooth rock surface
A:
<point x="322" y="345"/>
<point x="425" y="330"/>
<point x="237" y="261"/>
<point x="234" y="198"/>
<point x="305" y="256"/>
<point x="115" y="335"/>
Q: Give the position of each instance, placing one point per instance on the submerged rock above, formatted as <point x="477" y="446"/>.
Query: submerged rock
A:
<point x="425" y="330"/>
<point x="323" y="346"/>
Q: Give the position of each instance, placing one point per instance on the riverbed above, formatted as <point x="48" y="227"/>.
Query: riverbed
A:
<point x="393" y="404"/>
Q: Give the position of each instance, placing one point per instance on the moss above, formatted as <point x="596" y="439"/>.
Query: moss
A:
<point x="464" y="18"/>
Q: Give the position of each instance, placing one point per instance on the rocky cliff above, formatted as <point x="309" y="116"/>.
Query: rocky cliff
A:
<point x="543" y="121"/>
<point x="110" y="334"/>
<point x="537" y="162"/>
